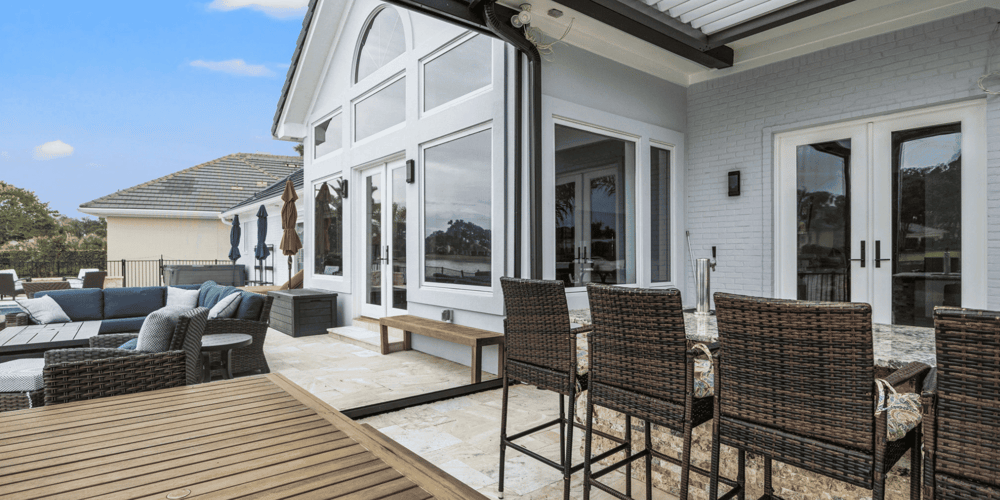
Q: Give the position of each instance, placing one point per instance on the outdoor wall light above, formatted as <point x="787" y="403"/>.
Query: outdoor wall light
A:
<point x="522" y="18"/>
<point x="342" y="184"/>
<point x="734" y="183"/>
<point x="411" y="171"/>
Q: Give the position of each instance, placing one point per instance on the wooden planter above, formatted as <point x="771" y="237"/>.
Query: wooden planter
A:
<point x="303" y="312"/>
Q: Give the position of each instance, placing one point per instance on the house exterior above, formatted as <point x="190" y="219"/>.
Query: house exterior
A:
<point x="824" y="150"/>
<point x="275" y="269"/>
<point x="177" y="216"/>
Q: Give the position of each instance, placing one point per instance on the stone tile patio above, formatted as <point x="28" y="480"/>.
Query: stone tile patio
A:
<point x="461" y="435"/>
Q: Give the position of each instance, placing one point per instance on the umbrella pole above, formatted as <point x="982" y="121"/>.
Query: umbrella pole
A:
<point x="289" y="272"/>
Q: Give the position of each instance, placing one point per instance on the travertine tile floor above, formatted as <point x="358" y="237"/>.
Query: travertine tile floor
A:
<point x="461" y="435"/>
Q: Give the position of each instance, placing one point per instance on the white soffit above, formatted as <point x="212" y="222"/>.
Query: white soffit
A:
<point x="712" y="16"/>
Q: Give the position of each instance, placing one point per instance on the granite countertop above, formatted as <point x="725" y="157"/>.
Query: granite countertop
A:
<point x="894" y="347"/>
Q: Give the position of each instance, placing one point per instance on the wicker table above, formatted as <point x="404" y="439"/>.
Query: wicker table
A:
<point x="32" y="341"/>
<point x="224" y="343"/>
<point x="256" y="436"/>
<point x="31" y="288"/>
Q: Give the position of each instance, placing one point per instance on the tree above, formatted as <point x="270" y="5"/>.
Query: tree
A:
<point x="23" y="216"/>
<point x="300" y="149"/>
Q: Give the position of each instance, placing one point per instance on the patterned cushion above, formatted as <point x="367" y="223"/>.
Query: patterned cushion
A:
<point x="903" y="410"/>
<point x="180" y="297"/>
<point x="226" y="307"/>
<point x="22" y="375"/>
<point x="132" y="302"/>
<point x="43" y="310"/>
<point x="704" y="374"/>
<point x="80" y="304"/>
<point x="130" y="345"/>
<point x="158" y="329"/>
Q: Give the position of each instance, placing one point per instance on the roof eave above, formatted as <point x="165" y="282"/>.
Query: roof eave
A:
<point x="149" y="214"/>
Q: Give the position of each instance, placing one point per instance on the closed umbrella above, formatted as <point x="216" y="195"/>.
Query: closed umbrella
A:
<point x="234" y="242"/>
<point x="290" y="243"/>
<point x="261" y="251"/>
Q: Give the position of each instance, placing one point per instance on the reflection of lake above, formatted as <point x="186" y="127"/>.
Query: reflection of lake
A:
<point x="455" y="263"/>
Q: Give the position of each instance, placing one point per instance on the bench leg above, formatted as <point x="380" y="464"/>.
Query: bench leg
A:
<point x="477" y="363"/>
<point x="406" y="340"/>
<point x="384" y="339"/>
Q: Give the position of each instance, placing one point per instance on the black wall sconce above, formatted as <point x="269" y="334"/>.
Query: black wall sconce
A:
<point x="734" y="183"/>
<point x="342" y="184"/>
<point x="411" y="171"/>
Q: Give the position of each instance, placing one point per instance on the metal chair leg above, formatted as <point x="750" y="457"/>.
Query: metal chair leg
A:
<point x="741" y="474"/>
<point x="568" y="457"/>
<point x="916" y="467"/>
<point x="649" y="460"/>
<point x="686" y="461"/>
<point x="628" y="454"/>
<point x="588" y="439"/>
<point x="503" y="434"/>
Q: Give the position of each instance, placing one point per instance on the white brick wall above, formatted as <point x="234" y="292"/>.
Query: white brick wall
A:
<point x="732" y="122"/>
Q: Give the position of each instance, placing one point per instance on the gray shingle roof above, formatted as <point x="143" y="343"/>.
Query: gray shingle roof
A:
<point x="210" y="187"/>
<point x="272" y="191"/>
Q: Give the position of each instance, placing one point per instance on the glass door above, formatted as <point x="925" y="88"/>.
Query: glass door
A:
<point x="384" y="240"/>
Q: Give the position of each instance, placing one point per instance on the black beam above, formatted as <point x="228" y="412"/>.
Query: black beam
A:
<point x="642" y="26"/>
<point x="421" y="399"/>
<point x="773" y="20"/>
<point x="451" y="11"/>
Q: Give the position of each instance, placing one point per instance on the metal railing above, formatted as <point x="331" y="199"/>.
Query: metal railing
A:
<point x="132" y="272"/>
<point x="150" y="272"/>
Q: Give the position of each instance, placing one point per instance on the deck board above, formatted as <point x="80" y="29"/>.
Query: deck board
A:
<point x="260" y="437"/>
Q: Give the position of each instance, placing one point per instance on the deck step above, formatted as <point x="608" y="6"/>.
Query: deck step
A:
<point x="366" y="323"/>
<point x="363" y="337"/>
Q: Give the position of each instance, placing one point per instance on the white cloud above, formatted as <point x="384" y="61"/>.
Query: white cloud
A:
<point x="273" y="8"/>
<point x="234" y="67"/>
<point x="5" y="155"/>
<point x="53" y="149"/>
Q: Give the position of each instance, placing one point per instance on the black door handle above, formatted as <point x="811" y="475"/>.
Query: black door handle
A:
<point x="878" y="253"/>
<point x="862" y="259"/>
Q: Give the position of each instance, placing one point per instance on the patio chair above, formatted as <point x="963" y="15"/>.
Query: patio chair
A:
<point x="104" y="370"/>
<point x="962" y="407"/>
<point x="797" y="383"/>
<point x="7" y="287"/>
<point x="540" y="350"/>
<point x="640" y="366"/>
<point x="94" y="279"/>
<point x="250" y="359"/>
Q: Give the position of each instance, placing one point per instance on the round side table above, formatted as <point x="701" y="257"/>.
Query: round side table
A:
<point x="223" y="343"/>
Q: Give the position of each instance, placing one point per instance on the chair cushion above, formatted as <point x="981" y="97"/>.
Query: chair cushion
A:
<point x="903" y="415"/>
<point x="43" y="310"/>
<point x="226" y="307"/>
<point x="9" y="271"/>
<point x="80" y="304"/>
<point x="130" y="345"/>
<point x="181" y="297"/>
<point x="121" y="325"/>
<point x="22" y="375"/>
<point x="211" y="293"/>
<point x="158" y="329"/>
<point x="132" y="302"/>
<point x="704" y="378"/>
<point x="250" y="306"/>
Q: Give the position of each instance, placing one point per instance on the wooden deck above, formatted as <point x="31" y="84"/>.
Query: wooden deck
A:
<point x="258" y="437"/>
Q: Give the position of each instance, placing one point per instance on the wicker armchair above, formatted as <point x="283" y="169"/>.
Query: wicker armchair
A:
<point x="249" y="359"/>
<point x="104" y="370"/>
<point x="796" y="384"/>
<point x="94" y="279"/>
<point x="540" y="350"/>
<point x="7" y="286"/>
<point x="962" y="407"/>
<point x="640" y="366"/>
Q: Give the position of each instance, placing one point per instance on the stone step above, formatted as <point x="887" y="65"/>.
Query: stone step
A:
<point x="366" y="323"/>
<point x="363" y="337"/>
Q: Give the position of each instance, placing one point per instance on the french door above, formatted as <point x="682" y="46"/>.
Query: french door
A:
<point x="587" y="244"/>
<point x="383" y="243"/>
<point x="888" y="211"/>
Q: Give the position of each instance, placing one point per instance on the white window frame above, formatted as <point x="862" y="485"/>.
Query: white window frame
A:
<point x="312" y="133"/>
<point x="444" y="49"/>
<point x="336" y="283"/>
<point x="371" y="92"/>
<point x="361" y="34"/>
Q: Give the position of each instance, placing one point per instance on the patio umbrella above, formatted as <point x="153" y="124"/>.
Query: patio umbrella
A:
<point x="260" y="251"/>
<point x="290" y="243"/>
<point x="234" y="242"/>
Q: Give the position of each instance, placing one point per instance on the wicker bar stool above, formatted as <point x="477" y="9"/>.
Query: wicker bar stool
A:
<point x="796" y="384"/>
<point x="640" y="366"/>
<point x="540" y="350"/>
<point x="962" y="407"/>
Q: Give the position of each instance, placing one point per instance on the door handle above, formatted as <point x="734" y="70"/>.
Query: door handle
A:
<point x="386" y="258"/>
<point x="878" y="253"/>
<point x="862" y="259"/>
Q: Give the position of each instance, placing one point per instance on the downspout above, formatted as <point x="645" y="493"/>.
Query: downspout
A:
<point x="512" y="36"/>
<point x="518" y="157"/>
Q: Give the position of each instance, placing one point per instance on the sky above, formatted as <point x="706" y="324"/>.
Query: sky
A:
<point x="101" y="96"/>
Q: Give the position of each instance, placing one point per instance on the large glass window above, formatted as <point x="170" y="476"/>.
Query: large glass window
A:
<point x="595" y="208"/>
<point x="329" y="218"/>
<point x="382" y="42"/>
<point x="823" y="211"/>
<point x="381" y="110"/>
<point x="457" y="211"/>
<point x="457" y="72"/>
<point x="327" y="135"/>
<point x="659" y="213"/>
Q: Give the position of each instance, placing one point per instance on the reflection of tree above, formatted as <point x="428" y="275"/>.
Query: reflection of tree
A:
<point x="461" y="238"/>
<point x="565" y="202"/>
<point x="329" y="222"/>
<point x="929" y="197"/>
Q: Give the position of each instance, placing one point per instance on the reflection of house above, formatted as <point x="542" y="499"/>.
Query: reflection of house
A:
<point x="641" y="115"/>
<point x="177" y="216"/>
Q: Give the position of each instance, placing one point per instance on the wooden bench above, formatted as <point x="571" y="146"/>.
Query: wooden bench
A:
<point x="466" y="335"/>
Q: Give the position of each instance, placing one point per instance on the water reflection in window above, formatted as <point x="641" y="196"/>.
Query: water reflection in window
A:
<point x="457" y="211"/>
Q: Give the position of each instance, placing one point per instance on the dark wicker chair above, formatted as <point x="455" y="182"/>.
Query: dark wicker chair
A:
<point x="250" y="359"/>
<point x="104" y="370"/>
<point x="962" y="407"/>
<point x="540" y="350"/>
<point x="796" y="384"/>
<point x="8" y="287"/>
<point x="640" y="366"/>
<point x="94" y="279"/>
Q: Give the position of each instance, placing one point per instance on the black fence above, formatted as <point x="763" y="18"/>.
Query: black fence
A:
<point x="150" y="272"/>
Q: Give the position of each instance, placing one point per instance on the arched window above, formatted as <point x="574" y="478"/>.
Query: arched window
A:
<point x="381" y="42"/>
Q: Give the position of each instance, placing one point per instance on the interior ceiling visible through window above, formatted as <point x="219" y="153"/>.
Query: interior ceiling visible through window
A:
<point x="712" y="16"/>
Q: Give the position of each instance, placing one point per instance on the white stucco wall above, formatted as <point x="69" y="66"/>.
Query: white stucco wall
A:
<point x="146" y="238"/>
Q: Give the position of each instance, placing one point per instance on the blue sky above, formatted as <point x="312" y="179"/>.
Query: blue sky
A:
<point x="100" y="96"/>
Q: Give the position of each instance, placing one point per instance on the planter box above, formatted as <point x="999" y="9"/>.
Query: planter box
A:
<point x="303" y="312"/>
<point x="223" y="274"/>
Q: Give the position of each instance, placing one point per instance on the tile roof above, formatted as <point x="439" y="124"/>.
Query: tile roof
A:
<point x="272" y="191"/>
<point x="210" y="187"/>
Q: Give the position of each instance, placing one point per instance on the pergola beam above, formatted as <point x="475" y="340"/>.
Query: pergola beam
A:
<point x="777" y="18"/>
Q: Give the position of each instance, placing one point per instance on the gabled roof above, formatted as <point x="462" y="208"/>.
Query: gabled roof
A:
<point x="296" y="55"/>
<point x="210" y="187"/>
<point x="272" y="191"/>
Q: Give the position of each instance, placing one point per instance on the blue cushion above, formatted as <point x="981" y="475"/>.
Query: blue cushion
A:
<point x="133" y="302"/>
<point x="121" y="325"/>
<point x="211" y="293"/>
<point x="85" y="304"/>
<point x="250" y="306"/>
<point x="130" y="345"/>
<point x="187" y="287"/>
<point x="203" y="290"/>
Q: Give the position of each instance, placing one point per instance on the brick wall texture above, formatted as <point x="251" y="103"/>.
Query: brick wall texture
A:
<point x="732" y="122"/>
